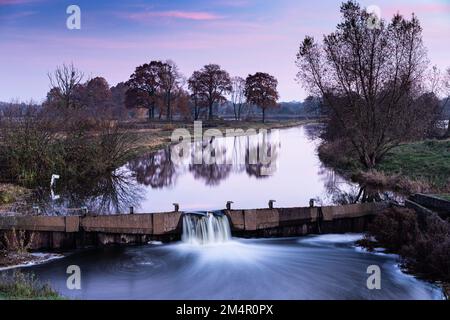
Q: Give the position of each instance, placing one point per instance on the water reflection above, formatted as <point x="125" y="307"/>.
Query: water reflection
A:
<point x="249" y="170"/>
<point x="340" y="192"/>
<point x="155" y="169"/>
<point x="211" y="174"/>
<point x="220" y="157"/>
<point x="108" y="194"/>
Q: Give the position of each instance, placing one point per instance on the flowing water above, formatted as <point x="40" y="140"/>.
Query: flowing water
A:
<point x="208" y="263"/>
<point x="205" y="228"/>
<point x="315" y="267"/>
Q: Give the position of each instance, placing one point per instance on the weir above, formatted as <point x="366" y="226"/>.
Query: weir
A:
<point x="207" y="228"/>
<point x="70" y="232"/>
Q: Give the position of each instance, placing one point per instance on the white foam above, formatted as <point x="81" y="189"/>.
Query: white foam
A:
<point x="41" y="258"/>
<point x="334" y="238"/>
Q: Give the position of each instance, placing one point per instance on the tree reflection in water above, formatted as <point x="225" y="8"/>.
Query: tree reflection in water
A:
<point x="109" y="194"/>
<point x="221" y="157"/>
<point x="341" y="192"/>
<point x="155" y="169"/>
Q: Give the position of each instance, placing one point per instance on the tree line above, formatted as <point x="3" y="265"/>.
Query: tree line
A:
<point x="160" y="88"/>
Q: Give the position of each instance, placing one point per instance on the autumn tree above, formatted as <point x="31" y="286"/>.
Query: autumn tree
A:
<point x="261" y="90"/>
<point x="211" y="84"/>
<point x="237" y="96"/>
<point x="118" y="96"/>
<point x="143" y="85"/>
<point x="370" y="79"/>
<point x="94" y="96"/>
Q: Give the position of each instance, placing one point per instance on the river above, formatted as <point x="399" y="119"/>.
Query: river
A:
<point x="152" y="182"/>
<point x="313" y="267"/>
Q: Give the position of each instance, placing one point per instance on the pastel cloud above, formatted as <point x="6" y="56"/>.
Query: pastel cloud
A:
<point x="243" y="36"/>
<point x="184" y="15"/>
<point x="420" y="9"/>
<point x="15" y="2"/>
<point x="18" y="15"/>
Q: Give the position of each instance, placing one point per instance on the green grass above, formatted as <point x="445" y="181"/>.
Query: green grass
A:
<point x="444" y="196"/>
<point x="427" y="160"/>
<point x="19" y="286"/>
<point x="10" y="193"/>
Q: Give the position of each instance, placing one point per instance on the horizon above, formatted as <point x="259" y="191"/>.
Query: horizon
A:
<point x="116" y="37"/>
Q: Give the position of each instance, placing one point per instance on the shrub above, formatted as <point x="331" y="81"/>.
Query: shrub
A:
<point x="424" y="247"/>
<point x="19" y="241"/>
<point x="24" y="286"/>
<point x="35" y="144"/>
<point x="395" y="228"/>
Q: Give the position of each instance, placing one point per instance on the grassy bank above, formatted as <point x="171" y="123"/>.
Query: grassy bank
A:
<point x="427" y="161"/>
<point x="412" y="167"/>
<point x="151" y="136"/>
<point x="19" y="286"/>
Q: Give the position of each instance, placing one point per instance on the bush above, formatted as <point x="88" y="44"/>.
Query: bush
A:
<point x="36" y="144"/>
<point x="22" y="286"/>
<point x="424" y="247"/>
<point x="395" y="228"/>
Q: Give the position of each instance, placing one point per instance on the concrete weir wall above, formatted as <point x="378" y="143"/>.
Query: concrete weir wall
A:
<point x="70" y="232"/>
<point x="286" y="222"/>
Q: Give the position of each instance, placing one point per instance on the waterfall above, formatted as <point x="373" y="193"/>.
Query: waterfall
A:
<point x="205" y="229"/>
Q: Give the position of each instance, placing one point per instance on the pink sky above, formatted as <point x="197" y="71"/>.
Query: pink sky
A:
<point x="243" y="36"/>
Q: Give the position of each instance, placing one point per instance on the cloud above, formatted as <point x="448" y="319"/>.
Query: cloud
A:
<point x="18" y="15"/>
<point x="233" y="3"/>
<point x="184" y="15"/>
<point x="15" y="2"/>
<point x="419" y="9"/>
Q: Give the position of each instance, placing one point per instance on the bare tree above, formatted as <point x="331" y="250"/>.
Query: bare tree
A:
<point x="261" y="90"/>
<point x="370" y="78"/>
<point x="446" y="89"/>
<point x="170" y="80"/>
<point x="64" y="81"/>
<point x="434" y="81"/>
<point x="237" y="96"/>
<point x="195" y="86"/>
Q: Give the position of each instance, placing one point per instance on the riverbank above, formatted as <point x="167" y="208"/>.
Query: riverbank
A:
<point x="19" y="286"/>
<point x="152" y="136"/>
<point x="12" y="259"/>
<point x="421" y="242"/>
<point x="418" y="167"/>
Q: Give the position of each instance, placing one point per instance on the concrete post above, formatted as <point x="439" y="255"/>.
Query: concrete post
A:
<point x="271" y="203"/>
